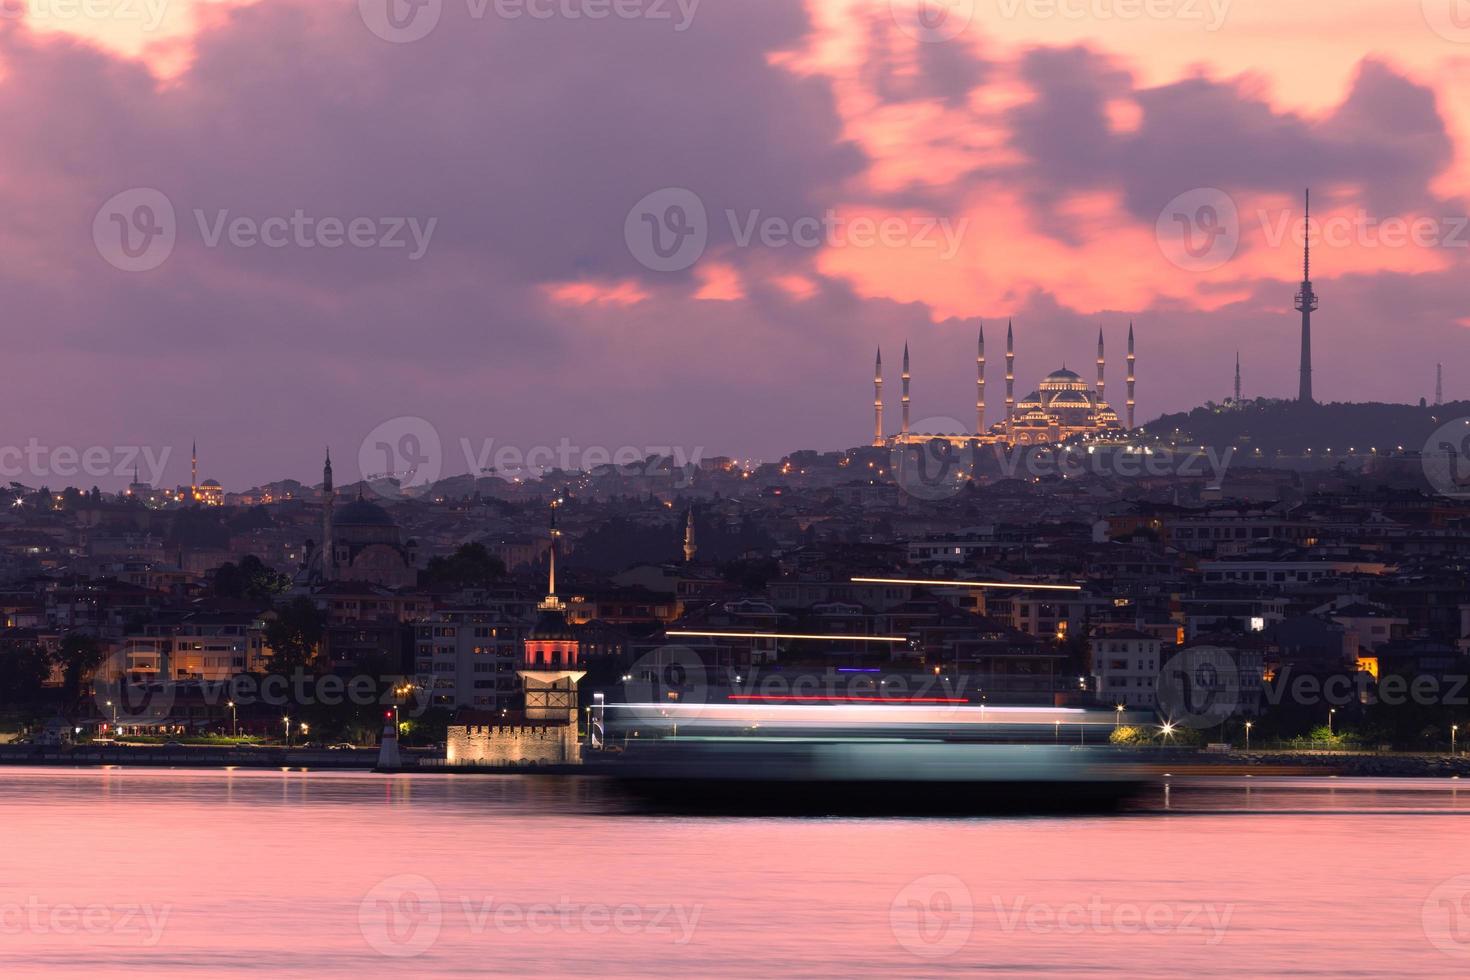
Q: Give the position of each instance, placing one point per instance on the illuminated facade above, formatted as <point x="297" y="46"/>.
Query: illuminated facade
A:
<point x="1063" y="406"/>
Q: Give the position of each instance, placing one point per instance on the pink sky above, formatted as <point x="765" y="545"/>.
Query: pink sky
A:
<point x="1020" y="168"/>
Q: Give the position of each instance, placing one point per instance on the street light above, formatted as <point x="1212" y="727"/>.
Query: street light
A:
<point x="1118" y="716"/>
<point x="234" y="720"/>
<point x="1057" y="733"/>
<point x="1248" y="735"/>
<point x="114" y="716"/>
<point x="286" y="721"/>
<point x="1330" y="713"/>
<point x="1454" y="730"/>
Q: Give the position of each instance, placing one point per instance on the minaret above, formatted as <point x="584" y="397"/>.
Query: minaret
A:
<point x="689" y="546"/>
<point x="194" y="471"/>
<point x="551" y="603"/>
<point x="1306" y="302"/>
<point x="1131" y="362"/>
<point x="1237" y="379"/>
<point x="1010" y="371"/>
<point x="980" y="385"/>
<point x="1439" y="384"/>
<point x="905" y="388"/>
<point x="878" y="399"/>
<point x="329" y="499"/>
<point x="1100" y="379"/>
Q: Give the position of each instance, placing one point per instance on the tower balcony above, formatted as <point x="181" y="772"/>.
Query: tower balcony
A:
<point x="1306" y="300"/>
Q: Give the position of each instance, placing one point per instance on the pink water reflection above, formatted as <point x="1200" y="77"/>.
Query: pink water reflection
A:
<point x="324" y="875"/>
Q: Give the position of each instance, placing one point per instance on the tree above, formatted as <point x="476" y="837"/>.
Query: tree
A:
<point x="24" y="669"/>
<point x="470" y="567"/>
<point x="79" y="656"/>
<point x="251" y="579"/>
<point x="294" y="636"/>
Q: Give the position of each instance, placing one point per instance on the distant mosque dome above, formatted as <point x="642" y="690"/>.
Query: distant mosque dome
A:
<point x="1063" y="379"/>
<point x="362" y="513"/>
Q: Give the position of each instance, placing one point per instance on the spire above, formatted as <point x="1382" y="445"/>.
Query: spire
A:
<point x="327" y="487"/>
<point x="980" y="384"/>
<point x="328" y="554"/>
<point x="1131" y="376"/>
<point x="1439" y="384"/>
<point x="905" y="388"/>
<point x="1010" y="371"/>
<point x="1306" y="304"/>
<point x="1101" y="381"/>
<point x="551" y="603"/>
<point x="1237" y="379"/>
<point x="194" y="470"/>
<point x="689" y="547"/>
<point x="878" y="399"/>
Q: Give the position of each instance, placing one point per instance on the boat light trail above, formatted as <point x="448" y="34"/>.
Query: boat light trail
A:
<point x="845" y="699"/>
<point x="969" y="585"/>
<point x="857" y="637"/>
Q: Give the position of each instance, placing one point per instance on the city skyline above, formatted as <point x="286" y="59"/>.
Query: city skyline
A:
<point x="528" y="317"/>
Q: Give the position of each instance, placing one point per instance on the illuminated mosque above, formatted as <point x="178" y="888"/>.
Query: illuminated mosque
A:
<point x="1063" y="406"/>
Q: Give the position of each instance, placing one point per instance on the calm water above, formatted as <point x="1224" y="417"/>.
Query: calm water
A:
<point x="335" y="875"/>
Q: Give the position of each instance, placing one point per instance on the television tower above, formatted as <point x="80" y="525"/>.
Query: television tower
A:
<point x="1306" y="302"/>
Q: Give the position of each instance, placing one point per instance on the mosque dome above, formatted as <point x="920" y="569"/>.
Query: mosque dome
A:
<point x="362" y="513"/>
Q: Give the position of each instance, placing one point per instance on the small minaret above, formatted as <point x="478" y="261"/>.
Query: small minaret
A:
<point x="689" y="547"/>
<point x="1439" y="384"/>
<point x="1131" y="377"/>
<point x="878" y="399"/>
<point x="1237" y="379"/>
<point x="1306" y="302"/>
<point x="905" y="388"/>
<point x="980" y="385"/>
<point x="1101" y="381"/>
<point x="329" y="500"/>
<point x="194" y="471"/>
<point x="1010" y="372"/>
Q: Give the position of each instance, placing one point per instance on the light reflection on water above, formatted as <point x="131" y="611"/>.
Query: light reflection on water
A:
<point x="322" y="874"/>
